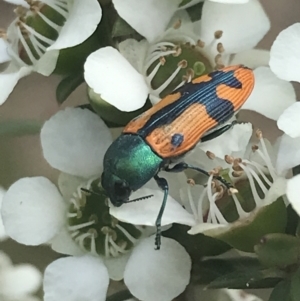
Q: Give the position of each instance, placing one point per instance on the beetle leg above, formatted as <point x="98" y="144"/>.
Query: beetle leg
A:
<point x="183" y="166"/>
<point x="163" y="184"/>
<point x="218" y="132"/>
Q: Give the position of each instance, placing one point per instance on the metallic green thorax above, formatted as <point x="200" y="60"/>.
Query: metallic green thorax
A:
<point x="131" y="160"/>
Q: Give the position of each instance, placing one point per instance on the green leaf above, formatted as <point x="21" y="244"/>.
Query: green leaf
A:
<point x="68" y="85"/>
<point x="209" y="270"/>
<point x="121" y="28"/>
<point x="198" y="245"/>
<point x="195" y="11"/>
<point x="246" y="233"/>
<point x="295" y="286"/>
<point x="184" y="2"/>
<point x="236" y="273"/>
<point x="110" y="114"/>
<point x="292" y="221"/>
<point x="281" y="292"/>
<point x="245" y="280"/>
<point x="278" y="250"/>
<point x="16" y="128"/>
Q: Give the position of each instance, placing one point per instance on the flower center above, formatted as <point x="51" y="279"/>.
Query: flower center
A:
<point x="94" y="229"/>
<point x="170" y="64"/>
<point x="253" y="178"/>
<point x="35" y="29"/>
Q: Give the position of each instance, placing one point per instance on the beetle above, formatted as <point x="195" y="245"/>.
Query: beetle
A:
<point x="195" y="112"/>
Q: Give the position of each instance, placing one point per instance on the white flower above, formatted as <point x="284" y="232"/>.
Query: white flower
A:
<point x="3" y="235"/>
<point x="27" y="49"/>
<point x="34" y="212"/>
<point x="285" y="63"/>
<point x="245" y="162"/>
<point x="18" y="282"/>
<point x="289" y="157"/>
<point x="173" y="54"/>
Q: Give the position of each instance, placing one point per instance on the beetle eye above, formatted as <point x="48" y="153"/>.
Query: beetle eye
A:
<point x="122" y="190"/>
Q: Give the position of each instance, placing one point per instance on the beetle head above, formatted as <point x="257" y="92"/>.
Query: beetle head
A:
<point x="117" y="189"/>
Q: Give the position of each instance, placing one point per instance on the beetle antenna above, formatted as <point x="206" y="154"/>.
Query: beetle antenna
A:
<point x="141" y="198"/>
<point x="91" y="192"/>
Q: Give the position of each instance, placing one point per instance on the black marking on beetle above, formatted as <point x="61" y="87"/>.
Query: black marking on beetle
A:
<point x="177" y="139"/>
<point x="203" y="93"/>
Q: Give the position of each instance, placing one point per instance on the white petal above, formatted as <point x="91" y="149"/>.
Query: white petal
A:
<point x="231" y="1"/>
<point x="47" y="63"/>
<point x="277" y="190"/>
<point x="234" y="140"/>
<point x="208" y="229"/>
<point x="109" y="74"/>
<point x="33" y="211"/>
<point x="4" y="57"/>
<point x="134" y="51"/>
<point x="64" y="244"/>
<point x="9" y="78"/>
<point x="292" y="192"/>
<point x="285" y="60"/>
<point x="145" y="13"/>
<point x="68" y="184"/>
<point x="3" y="235"/>
<point x="116" y="266"/>
<point x="18" y="2"/>
<point x="288" y="153"/>
<point x="76" y="278"/>
<point x="5" y="261"/>
<point x="157" y="275"/>
<point x="175" y="181"/>
<point x="88" y="16"/>
<point x="145" y="212"/>
<point x="252" y="58"/>
<point x="75" y="141"/>
<point x="270" y="95"/>
<point x="243" y="26"/>
<point x="289" y="120"/>
<point x="20" y="280"/>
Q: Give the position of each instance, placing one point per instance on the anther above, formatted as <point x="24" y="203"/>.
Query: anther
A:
<point x="108" y="231"/>
<point x="254" y="147"/>
<point x="94" y="232"/>
<point x="237" y="174"/>
<point x="177" y="24"/>
<point x="200" y="43"/>
<point x="229" y="159"/>
<point x="191" y="182"/>
<point x="178" y="51"/>
<point x="210" y="155"/>
<point x="183" y="64"/>
<point x="162" y="60"/>
<point x="220" y="48"/>
<point x="232" y="191"/>
<point x="218" y="34"/>
<point x="190" y="73"/>
<point x="219" y="62"/>
<point x="216" y="171"/>
<point x="258" y="134"/>
<point x="93" y="218"/>
<point x="3" y="34"/>
<point x="20" y="11"/>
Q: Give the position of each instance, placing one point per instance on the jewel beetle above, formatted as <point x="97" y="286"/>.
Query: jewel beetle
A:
<point x="195" y="112"/>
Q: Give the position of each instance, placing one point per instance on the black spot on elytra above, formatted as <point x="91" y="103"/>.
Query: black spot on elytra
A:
<point x="177" y="139"/>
